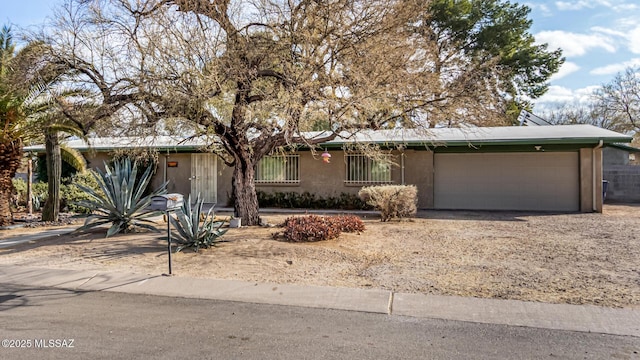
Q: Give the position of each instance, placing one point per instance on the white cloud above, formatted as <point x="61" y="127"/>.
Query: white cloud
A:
<point x="607" y="31"/>
<point x="626" y="7"/>
<point x="634" y="40"/>
<point x="590" y="4"/>
<point x="543" y="8"/>
<point x="630" y="35"/>
<point x="575" y="5"/>
<point x="573" y="44"/>
<point x="615" y="68"/>
<point x="584" y="94"/>
<point x="628" y="22"/>
<point x="566" y="69"/>
<point x="558" y="95"/>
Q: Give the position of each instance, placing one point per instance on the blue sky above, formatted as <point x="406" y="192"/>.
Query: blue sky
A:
<point x="599" y="38"/>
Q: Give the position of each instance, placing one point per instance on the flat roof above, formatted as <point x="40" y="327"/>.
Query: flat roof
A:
<point x="469" y="136"/>
<point x="505" y="135"/>
<point x="112" y="143"/>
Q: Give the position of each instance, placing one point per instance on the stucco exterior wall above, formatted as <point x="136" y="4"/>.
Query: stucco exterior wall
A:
<point x="413" y="167"/>
<point x="418" y="170"/>
<point x="97" y="160"/>
<point x="590" y="160"/>
<point x="327" y="180"/>
<point x="178" y="177"/>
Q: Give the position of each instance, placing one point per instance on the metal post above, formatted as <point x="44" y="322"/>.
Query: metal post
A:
<point x="169" y="239"/>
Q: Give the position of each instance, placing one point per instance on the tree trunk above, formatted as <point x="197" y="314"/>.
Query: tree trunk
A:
<point x="10" y="156"/>
<point x="244" y="192"/>
<point x="51" y="208"/>
<point x="29" y="185"/>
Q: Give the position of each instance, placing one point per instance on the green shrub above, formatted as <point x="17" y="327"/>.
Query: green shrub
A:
<point x="41" y="169"/>
<point x="317" y="228"/>
<point x="71" y="193"/>
<point x="39" y="193"/>
<point x="393" y="201"/>
<point x="20" y="187"/>
<point x="306" y="200"/>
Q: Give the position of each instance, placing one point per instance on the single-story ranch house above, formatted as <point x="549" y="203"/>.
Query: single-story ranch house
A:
<point x="531" y="168"/>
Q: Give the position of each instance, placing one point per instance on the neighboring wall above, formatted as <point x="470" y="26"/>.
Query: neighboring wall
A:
<point x="624" y="183"/>
<point x="614" y="156"/>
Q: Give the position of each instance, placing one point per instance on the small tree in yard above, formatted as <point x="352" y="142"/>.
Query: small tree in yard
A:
<point x="256" y="75"/>
<point x="393" y="201"/>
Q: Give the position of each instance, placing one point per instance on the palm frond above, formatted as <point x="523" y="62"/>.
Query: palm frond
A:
<point x="73" y="157"/>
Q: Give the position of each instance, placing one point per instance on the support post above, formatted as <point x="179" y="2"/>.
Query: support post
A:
<point x="169" y="239"/>
<point x="29" y="185"/>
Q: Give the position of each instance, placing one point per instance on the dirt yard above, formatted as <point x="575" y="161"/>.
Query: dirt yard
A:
<point x="568" y="258"/>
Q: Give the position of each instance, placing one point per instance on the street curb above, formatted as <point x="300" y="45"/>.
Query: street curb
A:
<point x="580" y="318"/>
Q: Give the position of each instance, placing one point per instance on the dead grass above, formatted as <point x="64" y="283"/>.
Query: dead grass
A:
<point x="566" y="258"/>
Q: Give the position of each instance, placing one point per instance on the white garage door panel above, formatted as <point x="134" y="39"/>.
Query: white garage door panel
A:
<point x="515" y="181"/>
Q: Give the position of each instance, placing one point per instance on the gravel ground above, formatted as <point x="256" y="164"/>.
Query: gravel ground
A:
<point x="556" y="258"/>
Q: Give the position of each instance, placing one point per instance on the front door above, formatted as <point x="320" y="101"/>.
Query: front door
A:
<point x="203" y="177"/>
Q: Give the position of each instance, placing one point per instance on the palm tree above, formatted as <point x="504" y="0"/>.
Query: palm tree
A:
<point x="48" y="113"/>
<point x="30" y="106"/>
<point x="11" y="121"/>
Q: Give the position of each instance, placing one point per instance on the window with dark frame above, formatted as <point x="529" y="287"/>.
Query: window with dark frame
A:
<point x="278" y="169"/>
<point x="365" y="170"/>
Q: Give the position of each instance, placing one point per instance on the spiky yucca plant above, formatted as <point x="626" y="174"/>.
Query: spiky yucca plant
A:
<point x="121" y="201"/>
<point x="191" y="232"/>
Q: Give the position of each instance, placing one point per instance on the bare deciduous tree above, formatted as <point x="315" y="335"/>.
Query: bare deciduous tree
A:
<point x="584" y="114"/>
<point x="619" y="100"/>
<point x="256" y="74"/>
<point x="614" y="106"/>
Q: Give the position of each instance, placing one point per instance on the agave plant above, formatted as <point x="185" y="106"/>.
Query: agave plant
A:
<point x="120" y="201"/>
<point x="191" y="231"/>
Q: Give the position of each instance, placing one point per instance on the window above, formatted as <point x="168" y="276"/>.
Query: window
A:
<point x="278" y="169"/>
<point x="364" y="170"/>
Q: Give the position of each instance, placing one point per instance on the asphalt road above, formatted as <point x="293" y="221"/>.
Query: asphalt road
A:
<point x="62" y="324"/>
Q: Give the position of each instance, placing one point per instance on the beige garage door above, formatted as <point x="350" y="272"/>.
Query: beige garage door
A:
<point x="546" y="181"/>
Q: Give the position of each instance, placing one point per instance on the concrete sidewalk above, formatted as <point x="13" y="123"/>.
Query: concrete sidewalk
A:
<point x="584" y="318"/>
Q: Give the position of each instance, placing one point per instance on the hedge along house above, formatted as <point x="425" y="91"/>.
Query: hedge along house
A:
<point x="538" y="168"/>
